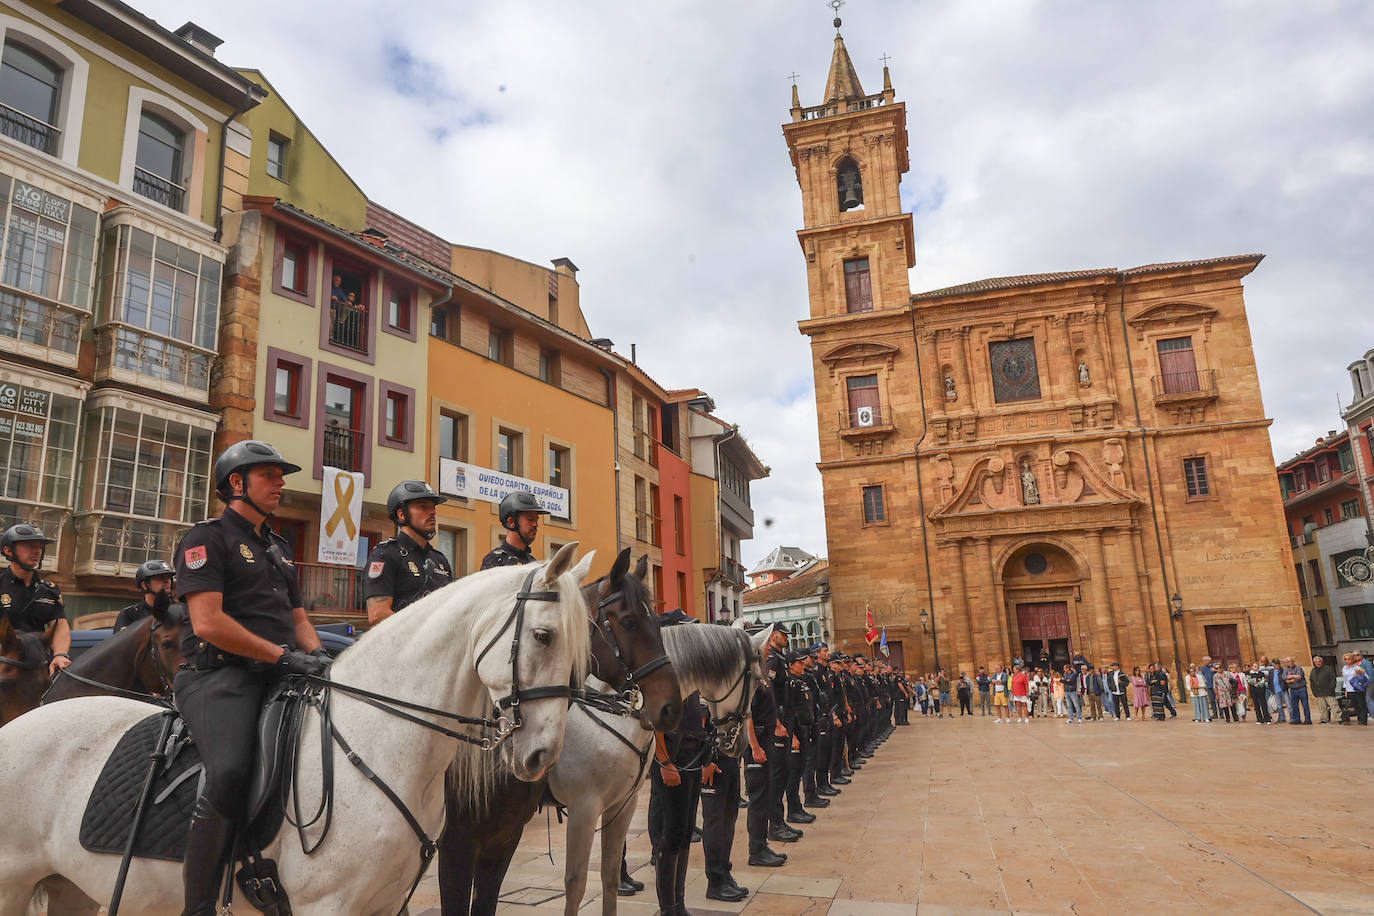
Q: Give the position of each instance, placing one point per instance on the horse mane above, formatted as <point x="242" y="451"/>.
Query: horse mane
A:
<point x="706" y="654"/>
<point x="33" y="648"/>
<point x="466" y="615"/>
<point x="117" y="646"/>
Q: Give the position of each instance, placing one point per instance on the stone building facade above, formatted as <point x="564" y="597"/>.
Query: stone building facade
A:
<point x="1036" y="465"/>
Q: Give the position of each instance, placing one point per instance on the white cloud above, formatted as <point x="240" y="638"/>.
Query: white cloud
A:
<point x="643" y="141"/>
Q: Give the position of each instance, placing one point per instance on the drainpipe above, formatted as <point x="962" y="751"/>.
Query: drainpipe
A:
<point x="615" y="445"/>
<point x="1150" y="489"/>
<point x="223" y="155"/>
<point x="921" y="496"/>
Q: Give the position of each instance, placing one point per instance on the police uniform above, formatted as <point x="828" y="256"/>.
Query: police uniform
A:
<point x="779" y="746"/>
<point x="220" y="694"/>
<point x="404" y="571"/>
<point x="132" y="614"/>
<point x="719" y="812"/>
<point x="800" y="717"/>
<point x="29" y="608"/>
<point x="763" y="713"/>
<point x="506" y="555"/>
<point x="673" y="809"/>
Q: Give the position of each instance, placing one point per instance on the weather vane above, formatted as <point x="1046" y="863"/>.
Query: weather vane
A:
<point x="835" y="5"/>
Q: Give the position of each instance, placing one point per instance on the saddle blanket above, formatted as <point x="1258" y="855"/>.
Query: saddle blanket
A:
<point x="167" y="814"/>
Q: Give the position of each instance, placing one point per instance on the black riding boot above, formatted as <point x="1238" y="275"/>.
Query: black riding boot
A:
<point x="207" y="846"/>
<point x="665" y="881"/>
<point x="680" y="885"/>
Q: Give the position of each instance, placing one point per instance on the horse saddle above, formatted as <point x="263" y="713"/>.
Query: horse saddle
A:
<point x="179" y="777"/>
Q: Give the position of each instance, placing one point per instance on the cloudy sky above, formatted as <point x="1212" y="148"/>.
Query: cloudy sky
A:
<point x="642" y="140"/>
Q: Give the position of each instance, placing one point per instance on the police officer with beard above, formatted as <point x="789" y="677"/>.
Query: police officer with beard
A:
<point x="29" y="602"/>
<point x="403" y="569"/>
<point x="154" y="580"/>
<point x="519" y="513"/>
<point x="247" y="630"/>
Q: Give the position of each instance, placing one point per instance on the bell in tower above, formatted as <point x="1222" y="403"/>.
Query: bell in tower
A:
<point x="849" y="185"/>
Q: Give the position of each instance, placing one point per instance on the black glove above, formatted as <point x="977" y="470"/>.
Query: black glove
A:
<point x="296" y="662"/>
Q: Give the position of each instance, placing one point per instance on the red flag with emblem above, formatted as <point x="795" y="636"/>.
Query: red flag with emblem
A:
<point x="870" y="631"/>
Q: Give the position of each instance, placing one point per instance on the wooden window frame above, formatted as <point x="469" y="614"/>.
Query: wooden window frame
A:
<point x="388" y="391"/>
<point x="355" y="379"/>
<point x="409" y="308"/>
<point x="1210" y="492"/>
<point x="311" y="249"/>
<point x="850" y="304"/>
<point x="864" y="487"/>
<point x="302" y="364"/>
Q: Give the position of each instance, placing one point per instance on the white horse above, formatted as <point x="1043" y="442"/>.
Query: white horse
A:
<point x="606" y="757"/>
<point x="433" y="655"/>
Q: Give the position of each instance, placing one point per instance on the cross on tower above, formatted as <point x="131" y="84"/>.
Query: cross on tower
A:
<point x="884" y="59"/>
<point x="835" y="5"/>
<point x="793" y="77"/>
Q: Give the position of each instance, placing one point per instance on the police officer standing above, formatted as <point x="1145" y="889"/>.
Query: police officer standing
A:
<point x="403" y="569"/>
<point x="27" y="601"/>
<point x="799" y="715"/>
<point x="154" y="580"/>
<point x="519" y="513"/>
<point x="763" y="720"/>
<point x="816" y="780"/>
<point x="247" y="629"/>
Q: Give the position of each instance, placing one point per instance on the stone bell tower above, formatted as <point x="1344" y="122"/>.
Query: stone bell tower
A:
<point x="849" y="153"/>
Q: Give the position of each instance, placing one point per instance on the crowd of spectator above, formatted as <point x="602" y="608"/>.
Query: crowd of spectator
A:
<point x="1275" y="692"/>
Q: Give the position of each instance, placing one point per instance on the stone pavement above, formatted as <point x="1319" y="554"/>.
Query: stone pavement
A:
<point x="970" y="817"/>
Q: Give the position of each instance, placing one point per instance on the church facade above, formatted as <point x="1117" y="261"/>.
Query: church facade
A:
<point x="1034" y="466"/>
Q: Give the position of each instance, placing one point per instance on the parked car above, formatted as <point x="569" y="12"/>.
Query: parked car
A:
<point x="330" y="636"/>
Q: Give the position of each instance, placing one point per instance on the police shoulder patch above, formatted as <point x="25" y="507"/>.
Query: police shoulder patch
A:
<point x="375" y="569"/>
<point x="196" y="557"/>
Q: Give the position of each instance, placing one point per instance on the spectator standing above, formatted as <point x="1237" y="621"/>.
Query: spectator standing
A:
<point x="1322" y="682"/>
<point x="1257" y="688"/>
<point x="1020" y="695"/>
<point x="1157" y="682"/>
<point x="1140" y="693"/>
<point x="1119" y="684"/>
<point x="1368" y="666"/>
<point x="1208" y="673"/>
<point x="1354" y="680"/>
<point x="1057" y="686"/>
<point x="1091" y="688"/>
<point x="1072" y="700"/>
<point x="1277" y="687"/>
<point x="1223" y="688"/>
<point x="1108" y="698"/>
<point x="1296" y="681"/>
<point x="1197" y="692"/>
<point x="1000" y="701"/>
<point x="1242" y="691"/>
<point x="984" y="691"/>
<point x="943" y="683"/>
<point x="965" y="692"/>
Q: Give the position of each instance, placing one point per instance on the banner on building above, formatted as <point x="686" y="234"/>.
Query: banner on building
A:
<point x="457" y="478"/>
<point x="341" y="515"/>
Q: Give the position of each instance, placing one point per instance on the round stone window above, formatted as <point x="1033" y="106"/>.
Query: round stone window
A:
<point x="1036" y="563"/>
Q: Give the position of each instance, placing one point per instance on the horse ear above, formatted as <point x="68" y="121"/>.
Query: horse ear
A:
<point x="619" y="568"/>
<point x="561" y="563"/>
<point x="760" y="639"/>
<point x="642" y="568"/>
<point x="6" y="631"/>
<point x="584" y="567"/>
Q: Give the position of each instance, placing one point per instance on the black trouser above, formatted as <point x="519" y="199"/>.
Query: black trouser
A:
<point x="1259" y="701"/>
<point x="221" y="708"/>
<point x="671" y="831"/>
<point x="903" y="707"/>
<point x="817" y="771"/>
<point x="965" y="704"/>
<point x="796" y="764"/>
<point x="836" y="751"/>
<point x="756" y="781"/>
<point x="777" y="747"/>
<point x="1123" y="710"/>
<point x="719" y="811"/>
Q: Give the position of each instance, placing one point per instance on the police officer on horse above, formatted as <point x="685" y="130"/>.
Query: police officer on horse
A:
<point x="403" y="569"/>
<point x="248" y="629"/>
<point x="27" y="600"/>
<point x="519" y="514"/>
<point x="154" y="580"/>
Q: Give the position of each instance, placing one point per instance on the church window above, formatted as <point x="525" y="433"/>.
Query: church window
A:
<point x="1015" y="376"/>
<point x="1195" y="473"/>
<point x="858" y="285"/>
<point x="874" y="510"/>
<point x="864" y="409"/>
<point x="1177" y="365"/>
<point x="849" y="185"/>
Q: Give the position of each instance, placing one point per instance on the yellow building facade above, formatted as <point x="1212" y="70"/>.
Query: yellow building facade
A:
<point x="1034" y="466"/>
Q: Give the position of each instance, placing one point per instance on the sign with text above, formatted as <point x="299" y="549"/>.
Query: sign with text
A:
<point x="457" y="478"/>
<point x="341" y="513"/>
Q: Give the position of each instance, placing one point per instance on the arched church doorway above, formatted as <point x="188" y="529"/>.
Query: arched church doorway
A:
<point x="1041" y="581"/>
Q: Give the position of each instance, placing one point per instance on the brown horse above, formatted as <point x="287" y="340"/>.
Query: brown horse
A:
<point x="480" y="838"/>
<point x="23" y="669"/>
<point x="142" y="658"/>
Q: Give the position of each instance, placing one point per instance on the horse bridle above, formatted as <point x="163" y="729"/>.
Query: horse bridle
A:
<point x="629" y="684"/>
<point x="725" y="730"/>
<point x="159" y="665"/>
<point x="21" y="664"/>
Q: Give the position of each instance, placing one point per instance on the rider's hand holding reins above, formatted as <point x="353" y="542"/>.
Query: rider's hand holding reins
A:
<point x="708" y="774"/>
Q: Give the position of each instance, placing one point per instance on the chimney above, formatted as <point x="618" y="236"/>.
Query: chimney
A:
<point x="604" y="343"/>
<point x="199" y="38"/>
<point x="565" y="266"/>
<point x="1330" y="434"/>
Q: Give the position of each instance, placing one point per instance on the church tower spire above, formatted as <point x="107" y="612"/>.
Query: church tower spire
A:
<point x="843" y="82"/>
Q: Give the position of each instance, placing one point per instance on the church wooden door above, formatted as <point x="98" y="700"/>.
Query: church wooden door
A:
<point x="1044" y="631"/>
<point x="1223" y="644"/>
<point x="1177" y="366"/>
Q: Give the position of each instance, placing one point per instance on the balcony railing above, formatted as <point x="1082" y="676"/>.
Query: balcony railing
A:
<point x="732" y="569"/>
<point x="138" y="357"/>
<point x="825" y="111"/>
<point x="329" y="589"/>
<point x="159" y="189"/>
<point x="343" y="448"/>
<point x="348" y="326"/>
<point x="1191" y="383"/>
<point x="864" y="417"/>
<point x="27" y="323"/>
<point x="117" y="545"/>
<point x="28" y="130"/>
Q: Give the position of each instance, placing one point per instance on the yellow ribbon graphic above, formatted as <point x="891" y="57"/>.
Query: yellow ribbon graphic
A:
<point x="343" y="493"/>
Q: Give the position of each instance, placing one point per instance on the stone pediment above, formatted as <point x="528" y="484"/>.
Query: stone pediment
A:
<point x="1171" y="313"/>
<point x="859" y="352"/>
<point x="1068" y="478"/>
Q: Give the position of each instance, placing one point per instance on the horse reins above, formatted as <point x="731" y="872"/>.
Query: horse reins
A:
<point x="629" y="685"/>
<point x="725" y="730"/>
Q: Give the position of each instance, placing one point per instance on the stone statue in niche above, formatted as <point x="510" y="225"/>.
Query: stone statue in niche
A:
<point x="1114" y="455"/>
<point x="1030" y="490"/>
<point x="1084" y="377"/>
<point x="951" y="393"/>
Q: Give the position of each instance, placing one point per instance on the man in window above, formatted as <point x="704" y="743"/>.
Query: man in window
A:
<point x="29" y="603"/>
<point x="406" y="568"/>
<point x="519" y="512"/>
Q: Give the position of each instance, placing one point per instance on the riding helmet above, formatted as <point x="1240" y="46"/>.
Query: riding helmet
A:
<point x="151" y="569"/>
<point x="16" y="534"/>
<point x="516" y="502"/>
<point x="406" y="492"/>
<point x="241" y="456"/>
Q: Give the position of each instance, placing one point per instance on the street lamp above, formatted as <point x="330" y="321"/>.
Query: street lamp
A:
<point x="924" y="617"/>
<point x="1177" y="602"/>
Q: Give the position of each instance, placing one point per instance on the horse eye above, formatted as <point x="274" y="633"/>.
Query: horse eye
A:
<point x="543" y="637"/>
<point x="629" y="621"/>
